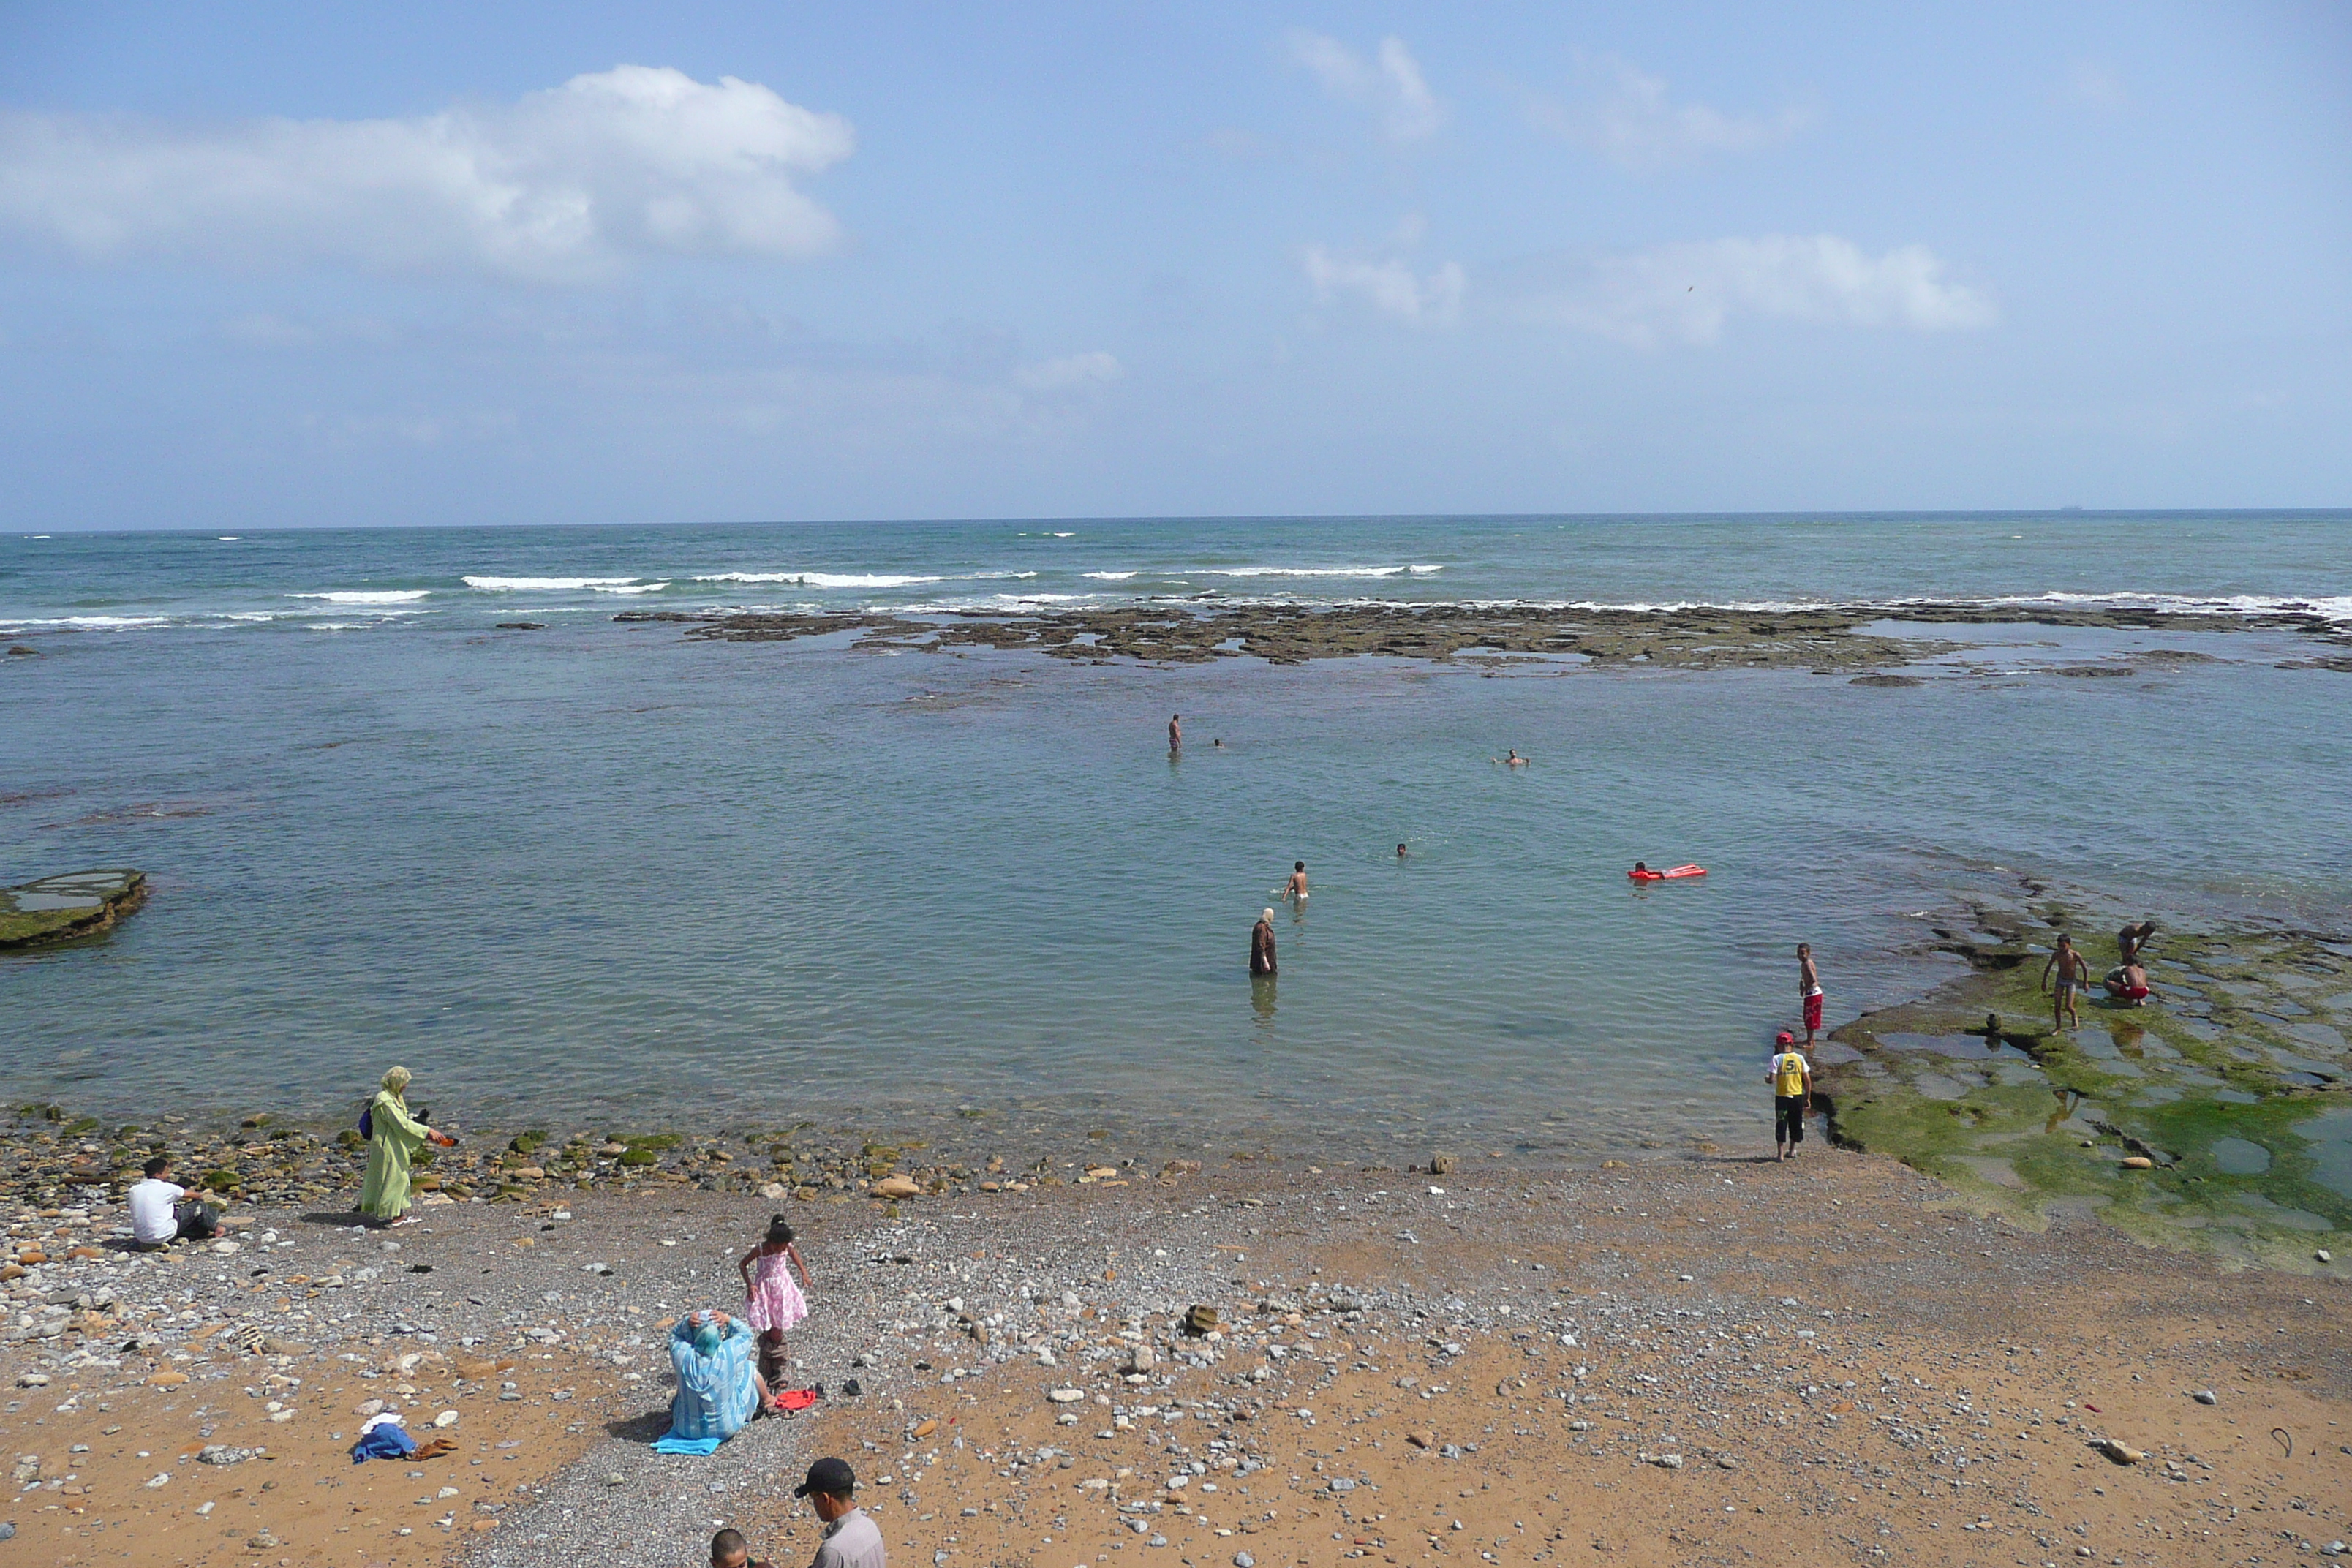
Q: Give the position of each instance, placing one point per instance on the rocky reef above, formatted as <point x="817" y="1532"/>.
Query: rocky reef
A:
<point x="1828" y="640"/>
<point x="2218" y="1116"/>
<point x="62" y="908"/>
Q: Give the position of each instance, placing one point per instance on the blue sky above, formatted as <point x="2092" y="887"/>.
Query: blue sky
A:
<point x="281" y="265"/>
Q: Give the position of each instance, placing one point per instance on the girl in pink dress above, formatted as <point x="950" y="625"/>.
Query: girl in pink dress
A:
<point x="772" y="1303"/>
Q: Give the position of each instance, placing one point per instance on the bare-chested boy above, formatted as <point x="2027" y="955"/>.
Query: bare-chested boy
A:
<point x="2072" y="974"/>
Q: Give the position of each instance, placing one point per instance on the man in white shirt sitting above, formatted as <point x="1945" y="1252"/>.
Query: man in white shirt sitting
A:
<point x="162" y="1212"/>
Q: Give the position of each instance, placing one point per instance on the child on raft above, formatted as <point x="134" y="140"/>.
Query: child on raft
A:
<point x="772" y="1303"/>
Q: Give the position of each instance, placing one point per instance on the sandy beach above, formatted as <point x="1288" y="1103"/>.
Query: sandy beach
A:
<point x="1709" y="1359"/>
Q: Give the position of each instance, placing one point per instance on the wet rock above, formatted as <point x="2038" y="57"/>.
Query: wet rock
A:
<point x="64" y="908"/>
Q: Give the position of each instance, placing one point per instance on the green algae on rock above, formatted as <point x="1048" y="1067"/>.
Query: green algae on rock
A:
<point x="1826" y="640"/>
<point x="2226" y="1084"/>
<point x="62" y="908"/>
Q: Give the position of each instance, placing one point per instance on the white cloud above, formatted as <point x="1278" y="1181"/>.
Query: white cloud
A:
<point x="1687" y="292"/>
<point x="565" y="185"/>
<point x="1389" y="287"/>
<point x="2095" y="85"/>
<point x="1075" y="372"/>
<point x="1391" y="83"/>
<point x="1637" y="126"/>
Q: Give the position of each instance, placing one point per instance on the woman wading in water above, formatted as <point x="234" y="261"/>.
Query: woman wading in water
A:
<point x="393" y="1138"/>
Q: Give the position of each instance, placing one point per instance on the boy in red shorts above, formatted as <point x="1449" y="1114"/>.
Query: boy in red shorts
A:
<point x="1808" y="982"/>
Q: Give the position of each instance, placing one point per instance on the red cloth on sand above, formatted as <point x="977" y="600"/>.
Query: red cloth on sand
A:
<point x="795" y="1398"/>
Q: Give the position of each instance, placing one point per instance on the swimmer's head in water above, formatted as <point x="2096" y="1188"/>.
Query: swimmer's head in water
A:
<point x="1641" y="865"/>
<point x="1400" y="848"/>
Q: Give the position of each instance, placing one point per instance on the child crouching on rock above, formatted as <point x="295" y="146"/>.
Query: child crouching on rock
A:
<point x="772" y="1303"/>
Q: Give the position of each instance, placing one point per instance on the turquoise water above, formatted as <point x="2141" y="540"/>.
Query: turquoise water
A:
<point x="598" y="873"/>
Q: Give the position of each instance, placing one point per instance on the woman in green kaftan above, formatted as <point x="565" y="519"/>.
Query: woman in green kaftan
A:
<point x="396" y="1136"/>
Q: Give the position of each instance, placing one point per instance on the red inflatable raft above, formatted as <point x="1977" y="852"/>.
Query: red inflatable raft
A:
<point x="1645" y="875"/>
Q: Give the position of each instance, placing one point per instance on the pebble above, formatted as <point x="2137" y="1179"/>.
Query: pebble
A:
<point x="2325" y="1255"/>
<point x="1243" y="1559"/>
<point x="2205" y="1396"/>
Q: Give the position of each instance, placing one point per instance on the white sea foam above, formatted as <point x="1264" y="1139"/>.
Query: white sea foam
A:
<point x="94" y="623"/>
<point x="1113" y="576"/>
<point x="384" y="596"/>
<point x="544" y="585"/>
<point x="230" y="538"/>
<point x="2334" y="607"/>
<point x="826" y="579"/>
<point x="1310" y="571"/>
<point x="629" y="587"/>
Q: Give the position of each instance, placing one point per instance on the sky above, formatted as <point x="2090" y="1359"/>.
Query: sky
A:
<point x="340" y="265"/>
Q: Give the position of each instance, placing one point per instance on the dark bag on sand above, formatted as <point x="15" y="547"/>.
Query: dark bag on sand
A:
<point x="199" y="1222"/>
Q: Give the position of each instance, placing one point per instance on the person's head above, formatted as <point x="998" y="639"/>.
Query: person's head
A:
<point x="2065" y="942"/>
<point x="1641" y="865"/>
<point x="780" y="1231"/>
<point x="729" y="1550"/>
<point x="2147" y="930"/>
<point x="1400" y="848"/>
<point x="1804" y="950"/>
<point x="1784" y="1039"/>
<point x="1266" y="917"/>
<point x="1298" y="865"/>
<point x="157" y="1165"/>
<point x="830" y="1486"/>
<point x="397" y="1080"/>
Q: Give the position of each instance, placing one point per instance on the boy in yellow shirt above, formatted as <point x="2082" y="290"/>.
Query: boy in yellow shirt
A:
<point x="1792" y="1093"/>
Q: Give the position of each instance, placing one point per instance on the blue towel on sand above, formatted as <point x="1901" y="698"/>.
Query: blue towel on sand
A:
<point x="671" y="1443"/>
<point x="386" y="1441"/>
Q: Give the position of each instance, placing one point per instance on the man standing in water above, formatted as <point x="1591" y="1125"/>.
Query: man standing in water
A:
<point x="2072" y="974"/>
<point x="1175" y="731"/>
<point x="1808" y="985"/>
<point x="1793" y="1095"/>
<point x="1295" y="889"/>
<point x="1262" y="944"/>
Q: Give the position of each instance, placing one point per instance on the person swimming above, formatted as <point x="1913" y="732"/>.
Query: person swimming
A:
<point x="1295" y="889"/>
<point x="1511" y="760"/>
<point x="1400" y="851"/>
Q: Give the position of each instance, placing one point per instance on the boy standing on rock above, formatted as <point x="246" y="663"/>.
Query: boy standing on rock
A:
<point x="1793" y="1095"/>
<point x="2072" y="974"/>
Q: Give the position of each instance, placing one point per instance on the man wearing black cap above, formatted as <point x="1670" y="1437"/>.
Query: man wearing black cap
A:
<point x="851" y="1540"/>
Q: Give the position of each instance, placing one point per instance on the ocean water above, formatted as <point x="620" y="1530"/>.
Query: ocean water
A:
<point x="602" y="876"/>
